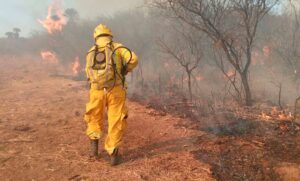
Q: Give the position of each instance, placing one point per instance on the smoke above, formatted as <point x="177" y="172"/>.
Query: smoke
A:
<point x="159" y="76"/>
<point x="93" y="8"/>
<point x="23" y="14"/>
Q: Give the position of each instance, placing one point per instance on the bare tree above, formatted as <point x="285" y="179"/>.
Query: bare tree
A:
<point x="230" y="76"/>
<point x="286" y="39"/>
<point x="230" y="24"/>
<point x="187" y="52"/>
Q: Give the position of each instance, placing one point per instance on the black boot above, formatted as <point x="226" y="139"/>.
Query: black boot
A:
<point x="94" y="149"/>
<point x="115" y="158"/>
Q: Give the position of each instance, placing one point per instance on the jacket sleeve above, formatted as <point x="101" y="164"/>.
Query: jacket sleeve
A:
<point x="89" y="64"/>
<point x="131" y="63"/>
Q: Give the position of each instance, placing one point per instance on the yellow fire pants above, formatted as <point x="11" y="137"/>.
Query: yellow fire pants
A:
<point x="114" y="102"/>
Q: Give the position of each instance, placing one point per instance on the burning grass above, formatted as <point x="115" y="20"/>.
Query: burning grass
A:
<point x="49" y="57"/>
<point x="276" y="114"/>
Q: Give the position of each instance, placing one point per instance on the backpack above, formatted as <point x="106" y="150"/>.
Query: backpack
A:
<point x="108" y="72"/>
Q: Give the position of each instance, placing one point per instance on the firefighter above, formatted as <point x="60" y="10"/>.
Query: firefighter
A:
<point x="107" y="64"/>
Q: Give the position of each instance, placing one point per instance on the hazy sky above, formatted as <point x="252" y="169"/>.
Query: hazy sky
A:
<point x="24" y="13"/>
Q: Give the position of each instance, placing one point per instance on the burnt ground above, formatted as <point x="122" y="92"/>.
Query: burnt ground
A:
<point x="251" y="150"/>
<point x="42" y="137"/>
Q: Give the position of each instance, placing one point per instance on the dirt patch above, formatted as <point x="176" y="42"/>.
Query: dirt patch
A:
<point x="42" y="137"/>
<point x="288" y="171"/>
<point x="42" y="134"/>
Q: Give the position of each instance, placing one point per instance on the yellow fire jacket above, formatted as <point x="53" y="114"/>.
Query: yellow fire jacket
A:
<point x="112" y="75"/>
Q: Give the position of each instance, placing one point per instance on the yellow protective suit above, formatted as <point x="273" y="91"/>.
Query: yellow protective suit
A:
<point x="107" y="95"/>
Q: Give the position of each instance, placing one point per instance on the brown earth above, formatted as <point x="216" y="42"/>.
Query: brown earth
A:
<point x="42" y="134"/>
<point x="42" y="137"/>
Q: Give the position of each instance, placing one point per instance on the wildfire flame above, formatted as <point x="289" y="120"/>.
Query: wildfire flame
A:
<point x="230" y="73"/>
<point x="261" y="58"/>
<point x="285" y="117"/>
<point x="275" y="114"/>
<point x="266" y="51"/>
<point x="199" y="78"/>
<point x="274" y="111"/>
<point x="76" y="66"/>
<point x="55" y="20"/>
<point x="255" y="58"/>
<point x="264" y="116"/>
<point x="49" y="57"/>
<point x="166" y="65"/>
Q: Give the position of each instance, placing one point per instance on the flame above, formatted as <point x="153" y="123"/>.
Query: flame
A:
<point x="260" y="59"/>
<point x="276" y="114"/>
<point x="255" y="58"/>
<point x="199" y="78"/>
<point x="274" y="111"/>
<point x="285" y="117"/>
<point x="49" y="57"/>
<point x="254" y="61"/>
<point x="230" y="73"/>
<point x="267" y="51"/>
<point x="76" y="66"/>
<point x="166" y="65"/>
<point x="264" y="116"/>
<point x="55" y="20"/>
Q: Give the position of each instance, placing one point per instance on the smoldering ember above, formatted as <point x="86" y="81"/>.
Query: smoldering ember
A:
<point x="150" y="90"/>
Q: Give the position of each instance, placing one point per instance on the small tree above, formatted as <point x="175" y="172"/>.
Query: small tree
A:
<point x="230" y="24"/>
<point x="16" y="32"/>
<point x="9" y="34"/>
<point x="187" y="52"/>
<point x="287" y="40"/>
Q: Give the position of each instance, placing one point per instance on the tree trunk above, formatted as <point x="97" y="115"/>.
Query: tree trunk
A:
<point x="182" y="81"/>
<point x="190" y="86"/>
<point x="246" y="87"/>
<point x="159" y="84"/>
<point x="279" y="96"/>
<point x="132" y="77"/>
<point x="142" y="77"/>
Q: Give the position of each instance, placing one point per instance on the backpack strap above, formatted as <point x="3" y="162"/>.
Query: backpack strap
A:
<point x="122" y="76"/>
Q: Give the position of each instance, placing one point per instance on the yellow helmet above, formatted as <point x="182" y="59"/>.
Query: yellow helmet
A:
<point x="102" y="30"/>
